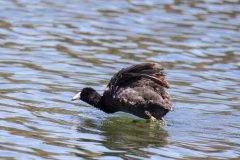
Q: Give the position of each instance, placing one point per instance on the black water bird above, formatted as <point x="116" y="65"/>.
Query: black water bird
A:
<point x="138" y="90"/>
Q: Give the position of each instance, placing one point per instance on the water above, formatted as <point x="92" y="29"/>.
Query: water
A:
<point x="49" y="50"/>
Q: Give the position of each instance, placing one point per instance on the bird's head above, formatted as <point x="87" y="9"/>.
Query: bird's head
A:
<point x="84" y="94"/>
<point x="88" y="95"/>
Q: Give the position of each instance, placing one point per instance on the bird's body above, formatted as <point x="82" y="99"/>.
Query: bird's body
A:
<point x="139" y="90"/>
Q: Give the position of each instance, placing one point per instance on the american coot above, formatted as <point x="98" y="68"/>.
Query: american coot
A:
<point x="138" y="89"/>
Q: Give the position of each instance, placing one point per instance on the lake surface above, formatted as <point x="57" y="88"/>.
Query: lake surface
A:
<point x="49" y="50"/>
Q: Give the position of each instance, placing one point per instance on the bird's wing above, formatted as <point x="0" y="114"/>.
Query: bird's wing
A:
<point x="150" y="71"/>
<point x="163" y="104"/>
<point x="129" y="96"/>
<point x="144" y="97"/>
<point x="153" y="98"/>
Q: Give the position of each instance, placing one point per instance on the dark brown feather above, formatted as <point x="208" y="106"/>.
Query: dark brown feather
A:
<point x="147" y="70"/>
<point x="138" y="90"/>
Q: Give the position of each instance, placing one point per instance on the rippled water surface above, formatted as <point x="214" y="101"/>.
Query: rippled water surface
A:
<point x="49" y="50"/>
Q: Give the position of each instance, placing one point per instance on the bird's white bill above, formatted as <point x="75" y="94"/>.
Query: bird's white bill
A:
<point x="77" y="96"/>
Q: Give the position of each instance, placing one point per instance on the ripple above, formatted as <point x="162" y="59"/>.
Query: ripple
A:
<point x="50" y="50"/>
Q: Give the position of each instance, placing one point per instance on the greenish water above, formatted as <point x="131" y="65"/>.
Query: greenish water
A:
<point x="49" y="50"/>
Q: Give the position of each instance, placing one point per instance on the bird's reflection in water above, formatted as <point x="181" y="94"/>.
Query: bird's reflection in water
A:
<point x="121" y="136"/>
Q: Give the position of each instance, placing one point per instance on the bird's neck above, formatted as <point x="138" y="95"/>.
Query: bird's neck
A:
<point x="98" y="101"/>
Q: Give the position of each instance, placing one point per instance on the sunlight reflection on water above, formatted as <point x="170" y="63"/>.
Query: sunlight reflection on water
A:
<point x="50" y="50"/>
